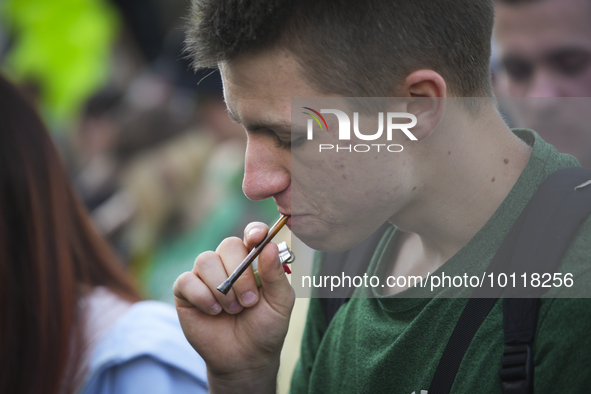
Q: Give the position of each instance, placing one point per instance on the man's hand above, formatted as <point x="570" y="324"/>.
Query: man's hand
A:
<point x="239" y="335"/>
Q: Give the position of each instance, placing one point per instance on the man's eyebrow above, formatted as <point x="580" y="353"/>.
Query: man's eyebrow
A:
<point x="550" y="56"/>
<point x="567" y="51"/>
<point x="513" y="58"/>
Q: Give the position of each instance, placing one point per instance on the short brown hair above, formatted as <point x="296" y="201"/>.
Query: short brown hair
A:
<point x="350" y="47"/>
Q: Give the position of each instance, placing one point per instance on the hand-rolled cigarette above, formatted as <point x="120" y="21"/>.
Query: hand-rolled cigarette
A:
<point x="225" y="287"/>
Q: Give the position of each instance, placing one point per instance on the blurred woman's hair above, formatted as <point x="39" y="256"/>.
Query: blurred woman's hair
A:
<point x="50" y="257"/>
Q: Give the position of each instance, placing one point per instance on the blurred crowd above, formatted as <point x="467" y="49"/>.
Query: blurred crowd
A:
<point x="147" y="142"/>
<point x="151" y="150"/>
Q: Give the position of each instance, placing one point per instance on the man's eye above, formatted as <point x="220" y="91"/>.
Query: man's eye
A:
<point x="572" y="64"/>
<point x="283" y="144"/>
<point x="518" y="70"/>
<point x="288" y="144"/>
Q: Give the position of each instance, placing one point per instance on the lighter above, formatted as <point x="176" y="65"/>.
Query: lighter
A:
<point x="285" y="257"/>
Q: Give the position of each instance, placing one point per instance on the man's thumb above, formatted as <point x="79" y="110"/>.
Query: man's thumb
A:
<point x="275" y="285"/>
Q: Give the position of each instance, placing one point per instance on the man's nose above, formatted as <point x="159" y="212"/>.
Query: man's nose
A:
<point x="267" y="168"/>
<point x="544" y="84"/>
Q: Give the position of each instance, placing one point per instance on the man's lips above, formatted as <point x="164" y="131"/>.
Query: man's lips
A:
<point x="288" y="220"/>
<point x="294" y="219"/>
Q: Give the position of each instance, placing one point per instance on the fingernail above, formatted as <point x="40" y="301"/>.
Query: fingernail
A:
<point x="216" y="308"/>
<point x="249" y="298"/>
<point x="235" y="307"/>
<point x="253" y="231"/>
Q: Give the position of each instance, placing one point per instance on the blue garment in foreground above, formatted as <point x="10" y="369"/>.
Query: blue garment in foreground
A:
<point x="145" y="352"/>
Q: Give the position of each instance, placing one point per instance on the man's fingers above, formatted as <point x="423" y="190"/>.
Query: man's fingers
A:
<point x="275" y="284"/>
<point x="232" y="252"/>
<point x="254" y="233"/>
<point x="190" y="291"/>
<point x="211" y="270"/>
<point x="199" y="288"/>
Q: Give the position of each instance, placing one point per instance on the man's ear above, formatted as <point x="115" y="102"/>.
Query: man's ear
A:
<point x="427" y="92"/>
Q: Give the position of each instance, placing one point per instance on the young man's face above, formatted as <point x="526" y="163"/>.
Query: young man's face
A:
<point x="335" y="201"/>
<point x="545" y="48"/>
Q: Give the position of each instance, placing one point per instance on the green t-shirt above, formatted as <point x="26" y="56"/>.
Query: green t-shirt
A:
<point x="392" y="344"/>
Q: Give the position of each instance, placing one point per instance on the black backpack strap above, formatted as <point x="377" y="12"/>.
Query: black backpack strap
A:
<point x="556" y="211"/>
<point x="520" y="317"/>
<point x="331" y="307"/>
<point x="353" y="262"/>
<point x="544" y="247"/>
<point x="555" y="219"/>
<point x="474" y="313"/>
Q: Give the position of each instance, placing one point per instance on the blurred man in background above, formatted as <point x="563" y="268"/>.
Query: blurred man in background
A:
<point x="544" y="56"/>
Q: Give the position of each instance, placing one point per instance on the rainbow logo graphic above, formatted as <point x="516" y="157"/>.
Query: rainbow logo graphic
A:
<point x="316" y="118"/>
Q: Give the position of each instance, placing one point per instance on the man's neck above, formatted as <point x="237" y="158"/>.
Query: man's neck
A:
<point x="470" y="170"/>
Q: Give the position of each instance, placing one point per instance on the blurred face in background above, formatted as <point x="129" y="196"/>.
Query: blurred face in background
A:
<point x="545" y="47"/>
<point x="544" y="54"/>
